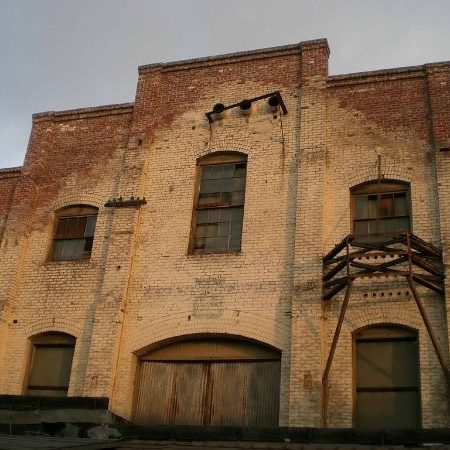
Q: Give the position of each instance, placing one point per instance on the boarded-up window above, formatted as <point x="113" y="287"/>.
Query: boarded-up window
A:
<point x="381" y="209"/>
<point x="74" y="233"/>
<point x="387" y="382"/>
<point x="209" y="382"/>
<point x="219" y="208"/>
<point x="51" y="363"/>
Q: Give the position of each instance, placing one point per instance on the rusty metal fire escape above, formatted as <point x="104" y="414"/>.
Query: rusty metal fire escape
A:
<point x="404" y="255"/>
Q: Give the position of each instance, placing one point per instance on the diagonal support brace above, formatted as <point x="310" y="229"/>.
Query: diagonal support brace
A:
<point x="332" y="352"/>
<point x="431" y="334"/>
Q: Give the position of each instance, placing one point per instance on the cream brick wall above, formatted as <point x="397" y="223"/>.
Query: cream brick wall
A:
<point x="141" y="286"/>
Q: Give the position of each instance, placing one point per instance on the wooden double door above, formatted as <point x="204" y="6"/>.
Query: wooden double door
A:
<point x="235" y="384"/>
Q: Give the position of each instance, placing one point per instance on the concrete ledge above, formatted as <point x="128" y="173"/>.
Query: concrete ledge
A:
<point x="286" y="435"/>
<point x="31" y="403"/>
<point x="55" y="416"/>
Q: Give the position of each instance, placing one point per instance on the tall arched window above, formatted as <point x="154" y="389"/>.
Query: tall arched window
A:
<point x="74" y="233"/>
<point x="219" y="204"/>
<point x="51" y="364"/>
<point x="381" y="208"/>
<point x="387" y="378"/>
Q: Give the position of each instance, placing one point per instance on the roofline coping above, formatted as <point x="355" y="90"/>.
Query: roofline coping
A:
<point x="11" y="169"/>
<point x="394" y="71"/>
<point x="118" y="108"/>
<point x="248" y="54"/>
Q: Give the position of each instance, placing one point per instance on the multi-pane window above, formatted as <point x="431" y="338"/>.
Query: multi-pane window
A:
<point x="381" y="209"/>
<point x="219" y="210"/>
<point x="74" y="233"/>
<point x="51" y="364"/>
<point x="387" y="379"/>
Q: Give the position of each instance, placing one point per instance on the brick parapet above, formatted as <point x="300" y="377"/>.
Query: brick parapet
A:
<point x="252" y="55"/>
<point x="83" y="113"/>
<point x="10" y="172"/>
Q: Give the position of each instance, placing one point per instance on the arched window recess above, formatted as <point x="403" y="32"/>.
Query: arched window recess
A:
<point x="218" y="211"/>
<point x="50" y="364"/>
<point x="74" y="233"/>
<point x="380" y="209"/>
<point x="386" y="375"/>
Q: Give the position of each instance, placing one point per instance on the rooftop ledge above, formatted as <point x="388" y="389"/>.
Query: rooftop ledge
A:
<point x="396" y="72"/>
<point x="104" y="110"/>
<point x="10" y="170"/>
<point x="232" y="57"/>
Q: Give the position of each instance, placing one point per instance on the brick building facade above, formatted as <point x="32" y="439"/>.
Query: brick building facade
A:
<point x="161" y="279"/>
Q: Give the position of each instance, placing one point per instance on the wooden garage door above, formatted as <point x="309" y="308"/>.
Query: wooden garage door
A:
<point x="209" y="383"/>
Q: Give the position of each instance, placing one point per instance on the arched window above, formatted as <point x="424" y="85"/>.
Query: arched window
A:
<point x="381" y="208"/>
<point x="51" y="364"/>
<point x="219" y="204"/>
<point x="387" y="378"/>
<point x="74" y="233"/>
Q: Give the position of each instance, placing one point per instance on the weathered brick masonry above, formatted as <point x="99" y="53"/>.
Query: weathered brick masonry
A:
<point x="142" y="287"/>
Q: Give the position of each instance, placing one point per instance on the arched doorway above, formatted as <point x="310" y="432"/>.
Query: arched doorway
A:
<point x="386" y="378"/>
<point x="51" y="364"/>
<point x="220" y="382"/>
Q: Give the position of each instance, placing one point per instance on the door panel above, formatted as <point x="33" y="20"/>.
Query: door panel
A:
<point x="154" y="393"/>
<point x="188" y="394"/>
<point x="229" y="399"/>
<point x="208" y="393"/>
<point x="387" y="378"/>
<point x="264" y="394"/>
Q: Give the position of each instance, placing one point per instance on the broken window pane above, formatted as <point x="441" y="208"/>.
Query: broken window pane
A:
<point x="372" y="206"/>
<point x="386" y="205"/>
<point x="361" y="207"/>
<point x="400" y="204"/>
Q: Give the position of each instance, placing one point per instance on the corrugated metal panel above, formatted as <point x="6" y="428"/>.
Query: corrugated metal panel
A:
<point x="171" y="393"/>
<point x="188" y="394"/>
<point x="212" y="349"/>
<point x="264" y="394"/>
<point x="154" y="393"/>
<point x="229" y="394"/>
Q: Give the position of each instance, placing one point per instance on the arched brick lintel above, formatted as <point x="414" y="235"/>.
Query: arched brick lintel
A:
<point x="252" y="332"/>
<point x="50" y="325"/>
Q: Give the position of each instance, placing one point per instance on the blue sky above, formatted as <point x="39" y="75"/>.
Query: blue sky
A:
<point x="64" y="54"/>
